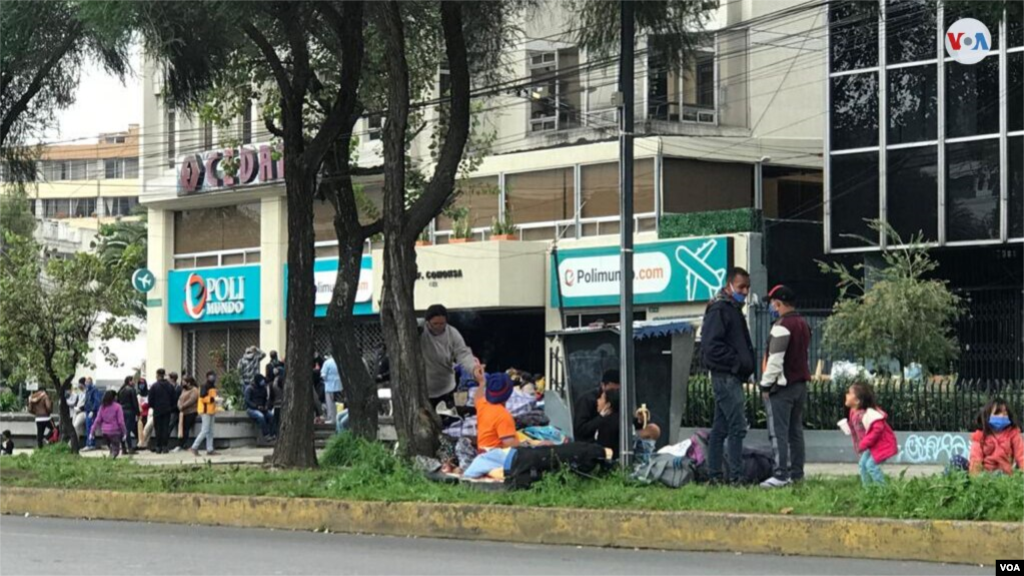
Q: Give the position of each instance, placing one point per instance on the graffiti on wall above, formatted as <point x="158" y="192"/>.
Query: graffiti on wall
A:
<point x="933" y="448"/>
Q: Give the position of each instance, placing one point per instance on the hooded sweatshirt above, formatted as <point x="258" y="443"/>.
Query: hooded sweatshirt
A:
<point x="249" y="364"/>
<point x="188" y="402"/>
<point x="997" y="452"/>
<point x="440" y="354"/>
<point x="871" y="431"/>
<point x="40" y="405"/>
<point x="110" y="421"/>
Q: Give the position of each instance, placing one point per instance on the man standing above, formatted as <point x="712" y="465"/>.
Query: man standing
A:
<point x="443" y="347"/>
<point x="93" y="399"/>
<point x="129" y="401"/>
<point x="593" y="408"/>
<point x="332" y="388"/>
<point x="784" y="386"/>
<point x="161" y="404"/>
<point x="249" y="364"/>
<point x="729" y="355"/>
<point x="272" y="366"/>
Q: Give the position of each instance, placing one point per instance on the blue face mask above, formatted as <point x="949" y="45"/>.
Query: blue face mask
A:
<point x="741" y="298"/>
<point x="998" y="422"/>
<point x="773" y="312"/>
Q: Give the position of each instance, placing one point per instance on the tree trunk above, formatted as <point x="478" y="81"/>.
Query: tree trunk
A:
<point x="64" y="421"/>
<point x="359" y="385"/>
<point x="294" y="448"/>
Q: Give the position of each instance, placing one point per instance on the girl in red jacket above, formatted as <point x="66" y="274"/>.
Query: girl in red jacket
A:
<point x="997" y="445"/>
<point x="873" y="439"/>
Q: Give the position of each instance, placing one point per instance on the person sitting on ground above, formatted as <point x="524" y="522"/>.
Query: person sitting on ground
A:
<point x="872" y="437"/>
<point x="6" y="444"/>
<point x="256" y="403"/>
<point x="593" y="409"/>
<point x="109" y="421"/>
<point x="997" y="445"/>
<point x="40" y="406"/>
<point x="495" y="426"/>
<point x="609" y="422"/>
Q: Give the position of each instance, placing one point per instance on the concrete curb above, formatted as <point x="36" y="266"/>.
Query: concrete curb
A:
<point x="927" y="540"/>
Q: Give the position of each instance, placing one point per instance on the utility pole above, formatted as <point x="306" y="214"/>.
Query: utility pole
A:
<point x="628" y="393"/>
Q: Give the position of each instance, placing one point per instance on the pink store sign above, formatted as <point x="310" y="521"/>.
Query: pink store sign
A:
<point x="205" y="171"/>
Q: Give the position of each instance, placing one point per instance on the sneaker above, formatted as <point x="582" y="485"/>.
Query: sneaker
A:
<point x="212" y="453"/>
<point x="88" y="449"/>
<point x="176" y="449"/>
<point x="194" y="452"/>
<point x="774" y="482"/>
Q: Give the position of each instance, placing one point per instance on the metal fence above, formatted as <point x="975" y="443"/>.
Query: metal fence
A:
<point x="217" y="349"/>
<point x="368" y="335"/>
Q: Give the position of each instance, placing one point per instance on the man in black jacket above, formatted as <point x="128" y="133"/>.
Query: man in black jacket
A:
<point x="162" y="403"/>
<point x="593" y="408"/>
<point x="729" y="355"/>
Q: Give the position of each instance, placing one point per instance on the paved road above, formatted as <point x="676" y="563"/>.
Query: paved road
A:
<point x="52" y="546"/>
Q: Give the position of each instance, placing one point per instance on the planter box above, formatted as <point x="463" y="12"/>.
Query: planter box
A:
<point x="459" y="240"/>
<point x="422" y="243"/>
<point x="504" y="237"/>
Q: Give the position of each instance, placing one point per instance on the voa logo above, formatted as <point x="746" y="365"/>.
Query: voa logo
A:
<point x="968" y="41"/>
<point x="214" y="296"/>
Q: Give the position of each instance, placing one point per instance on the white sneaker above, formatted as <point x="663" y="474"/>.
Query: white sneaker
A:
<point x="176" y="449"/>
<point x="774" y="482"/>
<point x="88" y="449"/>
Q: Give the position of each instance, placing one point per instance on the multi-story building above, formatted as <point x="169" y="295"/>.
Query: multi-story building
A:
<point x="82" y="185"/>
<point x="737" y="130"/>
<point x="935" y="148"/>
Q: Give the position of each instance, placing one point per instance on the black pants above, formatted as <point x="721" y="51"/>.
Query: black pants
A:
<point x="43" y="431"/>
<point x="162" y="428"/>
<point x="188" y="421"/>
<point x="131" y="423"/>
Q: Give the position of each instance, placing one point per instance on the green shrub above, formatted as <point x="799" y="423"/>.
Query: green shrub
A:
<point x="230" y="387"/>
<point x="709" y="223"/>
<point x="9" y="401"/>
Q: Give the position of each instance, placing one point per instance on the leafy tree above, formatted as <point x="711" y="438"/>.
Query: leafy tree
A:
<point x="49" y="312"/>
<point x="899" y="314"/>
<point x="122" y="249"/>
<point x="15" y="216"/>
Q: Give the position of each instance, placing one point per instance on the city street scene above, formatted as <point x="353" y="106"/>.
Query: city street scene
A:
<point x="512" y="286"/>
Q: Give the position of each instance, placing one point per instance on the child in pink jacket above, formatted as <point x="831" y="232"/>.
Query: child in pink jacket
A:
<point x="110" y="422"/>
<point x="873" y="438"/>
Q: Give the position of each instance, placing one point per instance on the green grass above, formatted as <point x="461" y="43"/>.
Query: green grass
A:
<point x="356" y="470"/>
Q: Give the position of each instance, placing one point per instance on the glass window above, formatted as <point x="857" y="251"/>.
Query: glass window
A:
<point x="988" y="12"/>
<point x="853" y="37"/>
<point x="170" y="136"/>
<point x="854" y="199"/>
<point x="131" y="167"/>
<point x="696" y="186"/>
<point x="1015" y="91"/>
<point x="912" y="205"/>
<point x="972" y="190"/>
<point x="855" y="111"/>
<point x="1015" y="23"/>
<point x="227" y="228"/>
<point x="972" y="98"/>
<point x="913" y="101"/>
<point x="482" y="197"/>
<point x="1016" y="168"/>
<point x="247" y="123"/>
<point x="910" y="30"/>
<point x="83" y="207"/>
<point x="113" y="168"/>
<point x="599" y="192"/>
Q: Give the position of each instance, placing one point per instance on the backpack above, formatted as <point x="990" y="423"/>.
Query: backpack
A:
<point x="672" y="471"/>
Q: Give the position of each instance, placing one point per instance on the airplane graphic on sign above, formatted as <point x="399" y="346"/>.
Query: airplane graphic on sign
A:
<point x="698" y="271"/>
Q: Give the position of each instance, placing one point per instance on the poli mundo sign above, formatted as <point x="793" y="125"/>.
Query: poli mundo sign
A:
<point x="675" y="271"/>
<point x="226" y="294"/>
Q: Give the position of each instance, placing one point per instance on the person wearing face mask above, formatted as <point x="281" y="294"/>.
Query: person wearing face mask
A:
<point x="207" y="408"/>
<point x="443" y="347"/>
<point x="729" y="354"/>
<point x="784" y="386"/>
<point x="997" y="445"/>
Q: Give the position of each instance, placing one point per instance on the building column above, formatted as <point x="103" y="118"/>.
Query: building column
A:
<point x="273" y="257"/>
<point x="163" y="341"/>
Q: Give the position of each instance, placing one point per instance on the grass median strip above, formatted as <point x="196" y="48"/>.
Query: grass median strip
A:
<point x="356" y="470"/>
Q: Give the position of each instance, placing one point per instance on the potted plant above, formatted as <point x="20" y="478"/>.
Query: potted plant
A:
<point x="462" y="230"/>
<point x="504" y="228"/>
<point x="424" y="238"/>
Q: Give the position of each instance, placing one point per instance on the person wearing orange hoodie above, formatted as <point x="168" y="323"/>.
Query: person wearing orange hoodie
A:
<point x="997" y="444"/>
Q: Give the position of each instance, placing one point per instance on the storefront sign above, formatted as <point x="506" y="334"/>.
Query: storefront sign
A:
<point x="439" y="274"/>
<point x="664" y="272"/>
<point x="325" y="272"/>
<point x="206" y="171"/>
<point x="226" y="294"/>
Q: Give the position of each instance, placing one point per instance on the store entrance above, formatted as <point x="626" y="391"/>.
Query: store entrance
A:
<point x="504" y="339"/>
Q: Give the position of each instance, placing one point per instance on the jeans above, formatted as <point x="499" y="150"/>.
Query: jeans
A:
<point x="188" y="423"/>
<point x="332" y="408"/>
<point x="870" y="471"/>
<point x="43" y="431"/>
<point x="341" y="424"/>
<point x="262" y="419"/>
<point x="784" y="411"/>
<point x="730" y="424"/>
<point x="114" y="444"/>
<point x="163" y="431"/>
<point x="90" y="442"/>
<point x="206" y="432"/>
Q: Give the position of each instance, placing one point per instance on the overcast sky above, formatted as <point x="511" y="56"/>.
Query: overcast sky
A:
<point x="103" y="104"/>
